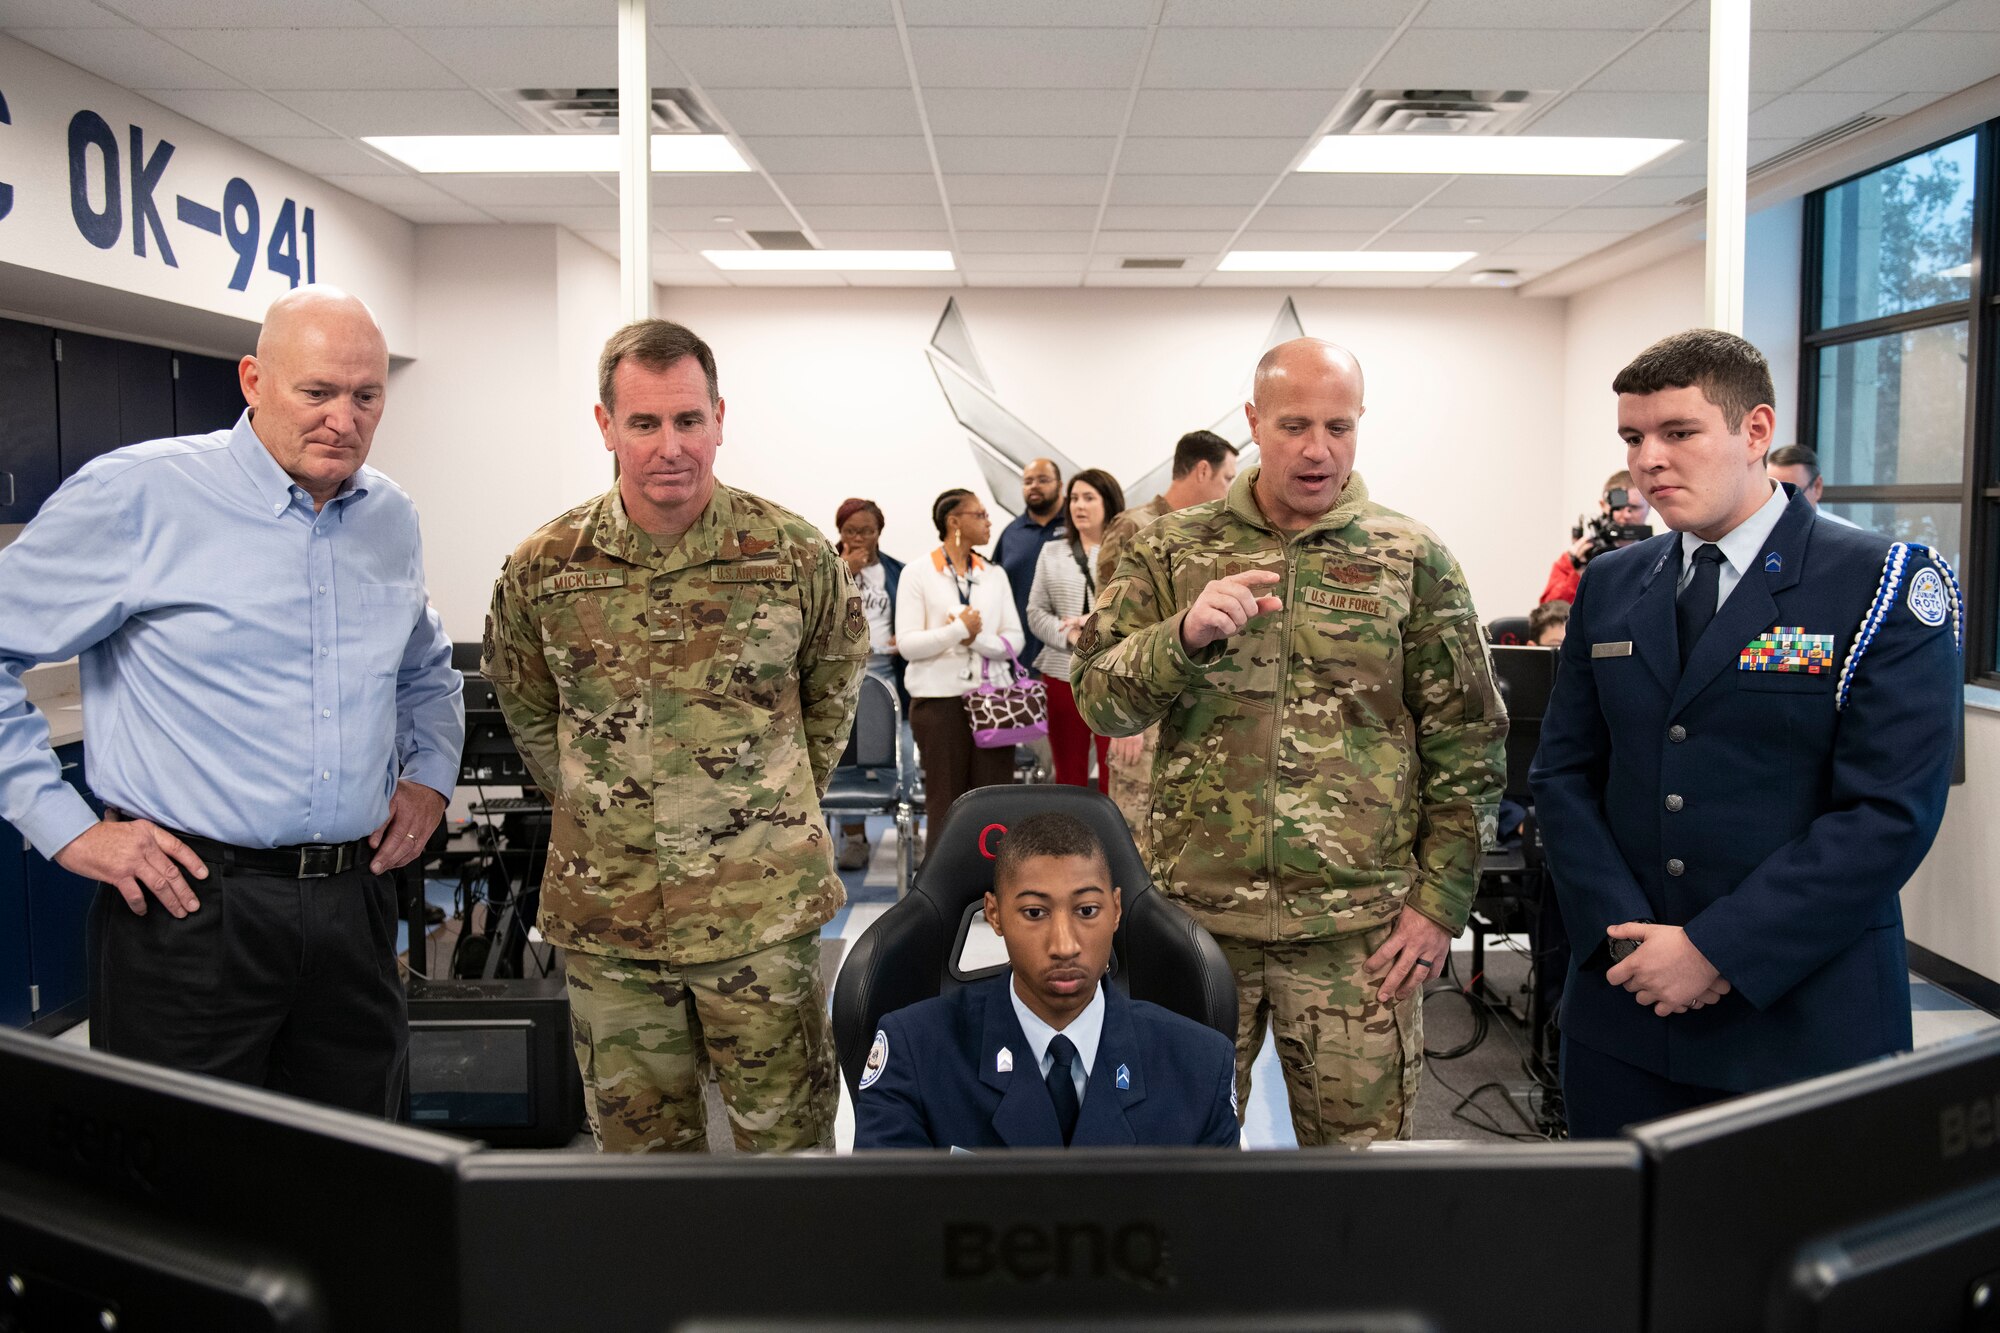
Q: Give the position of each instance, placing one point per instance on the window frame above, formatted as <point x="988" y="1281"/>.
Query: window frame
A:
<point x="1977" y="492"/>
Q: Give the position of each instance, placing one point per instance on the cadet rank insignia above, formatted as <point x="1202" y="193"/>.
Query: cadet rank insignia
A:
<point x="1788" y="649"/>
<point x="857" y="622"/>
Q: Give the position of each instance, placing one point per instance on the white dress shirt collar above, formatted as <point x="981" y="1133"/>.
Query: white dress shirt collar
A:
<point x="1740" y="547"/>
<point x="1084" y="1032"/>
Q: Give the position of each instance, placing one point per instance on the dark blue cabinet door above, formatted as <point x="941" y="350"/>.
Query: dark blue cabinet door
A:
<point x="207" y="394"/>
<point x="87" y="392"/>
<point x="15" y="1010"/>
<point x="58" y="911"/>
<point x="30" y="465"/>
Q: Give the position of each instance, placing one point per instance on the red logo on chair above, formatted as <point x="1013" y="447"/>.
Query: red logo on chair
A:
<point x="983" y="851"/>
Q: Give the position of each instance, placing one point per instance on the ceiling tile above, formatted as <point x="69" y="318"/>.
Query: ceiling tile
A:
<point x="978" y="263"/>
<point x="705" y="190"/>
<point x="1494" y="58"/>
<point x="431" y="215"/>
<point x="1024" y="217"/>
<point x="527" y="57"/>
<point x="1518" y="191"/>
<point x="128" y="57"/>
<point x="236" y="112"/>
<point x="1802" y="115"/>
<point x="1403" y="238"/>
<point x="1561" y="242"/>
<point x="1163" y="242"/>
<point x="1339" y="189"/>
<point x="874" y="217"/>
<point x="1056" y="189"/>
<point x="860" y="188"/>
<point x="1031" y="13"/>
<point x="337" y="58"/>
<point x="801" y="57"/>
<point x="525" y="191"/>
<point x="1142" y="278"/>
<point x="1061" y="111"/>
<point x="394" y="191"/>
<point x="1565" y="15"/>
<point x="818" y="110"/>
<point x="1617" y="219"/>
<point x="1293" y="217"/>
<point x="1486" y="221"/>
<point x="248" y="13"/>
<point x="59" y="14"/>
<point x="1260" y="238"/>
<point x="826" y="153"/>
<point x="1175" y="217"/>
<point x="1282" y="13"/>
<point x="1904" y="105"/>
<point x="1261" y="59"/>
<point x="1027" y="156"/>
<point x="1654" y="115"/>
<point x="1132" y="187"/>
<point x="1164" y="111"/>
<point x="1644" y="191"/>
<point x="1815" y="15"/>
<point x="1678" y="61"/>
<point x="694" y="241"/>
<point x="754" y="217"/>
<point x="496" y="13"/>
<point x="555" y="215"/>
<point x="403" y="112"/>
<point x="773" y="13"/>
<point x="1024" y="242"/>
<point x="1197" y="264"/>
<point x="323" y="157"/>
<point x="884" y="240"/>
<point x="1221" y="156"/>
<point x="1917" y="62"/>
<point x="1026" y="57"/>
<point x="1966" y="16"/>
<point x="864" y="278"/>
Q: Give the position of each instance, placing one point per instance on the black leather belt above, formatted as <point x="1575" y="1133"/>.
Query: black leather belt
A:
<point x="307" y="860"/>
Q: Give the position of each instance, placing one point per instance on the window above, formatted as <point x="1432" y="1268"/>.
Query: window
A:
<point x="1898" y="365"/>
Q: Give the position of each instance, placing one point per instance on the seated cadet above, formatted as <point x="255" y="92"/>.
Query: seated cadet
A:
<point x="1044" y="1055"/>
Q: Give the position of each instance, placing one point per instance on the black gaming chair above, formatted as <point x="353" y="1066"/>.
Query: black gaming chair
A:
<point x="1508" y="630"/>
<point x="911" y="952"/>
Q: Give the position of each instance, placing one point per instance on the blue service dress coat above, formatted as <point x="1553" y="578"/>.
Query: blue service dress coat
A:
<point x="940" y="1081"/>
<point x="1742" y="805"/>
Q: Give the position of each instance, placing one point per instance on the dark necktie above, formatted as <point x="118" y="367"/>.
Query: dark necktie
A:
<point x="1062" y="1085"/>
<point x="1695" y="606"/>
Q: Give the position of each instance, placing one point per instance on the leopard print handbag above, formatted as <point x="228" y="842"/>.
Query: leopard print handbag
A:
<point x="1004" y="715"/>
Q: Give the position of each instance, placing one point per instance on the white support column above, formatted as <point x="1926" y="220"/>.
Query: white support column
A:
<point x="1728" y="158"/>
<point x="635" y="164"/>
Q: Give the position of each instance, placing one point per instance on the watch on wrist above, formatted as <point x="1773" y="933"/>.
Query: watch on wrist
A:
<point x="1620" y="950"/>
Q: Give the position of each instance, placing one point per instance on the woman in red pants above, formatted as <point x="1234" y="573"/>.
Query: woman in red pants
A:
<point x="1063" y="592"/>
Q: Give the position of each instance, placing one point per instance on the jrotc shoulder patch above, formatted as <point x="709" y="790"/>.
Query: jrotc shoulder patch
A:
<point x="1928" y="600"/>
<point x="878" y="1059"/>
<point x="856" y="624"/>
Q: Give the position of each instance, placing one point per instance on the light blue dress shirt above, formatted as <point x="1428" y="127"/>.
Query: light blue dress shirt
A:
<point x="253" y="671"/>
<point x="1083" y="1032"/>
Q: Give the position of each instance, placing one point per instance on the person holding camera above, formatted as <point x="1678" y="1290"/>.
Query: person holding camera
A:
<point x="1621" y="520"/>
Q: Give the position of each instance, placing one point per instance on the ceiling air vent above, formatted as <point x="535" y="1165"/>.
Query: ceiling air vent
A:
<point x="1460" y="112"/>
<point x="594" y="110"/>
<point x="1844" y="130"/>
<point x="780" y="240"/>
<point x="1152" y="263"/>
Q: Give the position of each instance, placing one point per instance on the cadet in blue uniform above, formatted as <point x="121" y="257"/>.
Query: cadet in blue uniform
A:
<point x="1746" y="756"/>
<point x="1044" y="1055"/>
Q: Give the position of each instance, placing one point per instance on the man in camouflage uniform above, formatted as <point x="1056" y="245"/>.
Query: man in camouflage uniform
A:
<point x="679" y="663"/>
<point x="1204" y="466"/>
<point x="1330" y="739"/>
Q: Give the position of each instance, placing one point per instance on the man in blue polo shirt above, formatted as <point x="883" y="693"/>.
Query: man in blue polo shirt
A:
<point x="1046" y="1055"/>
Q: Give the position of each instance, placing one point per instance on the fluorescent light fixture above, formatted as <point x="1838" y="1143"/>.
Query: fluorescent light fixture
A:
<point x="1527" y="155"/>
<point x="552" y="154"/>
<point x="1343" y="261"/>
<point x="821" y="261"/>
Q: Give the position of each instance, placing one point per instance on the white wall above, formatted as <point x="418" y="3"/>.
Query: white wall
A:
<point x="829" y="394"/>
<point x="1951" y="906"/>
<point x="490" y="430"/>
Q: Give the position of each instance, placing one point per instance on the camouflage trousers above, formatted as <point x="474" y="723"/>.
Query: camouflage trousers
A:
<point x="1352" y="1063"/>
<point x="1132" y="787"/>
<point x="644" y="1030"/>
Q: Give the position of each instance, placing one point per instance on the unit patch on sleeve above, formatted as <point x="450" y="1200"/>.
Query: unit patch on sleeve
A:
<point x="1928" y="600"/>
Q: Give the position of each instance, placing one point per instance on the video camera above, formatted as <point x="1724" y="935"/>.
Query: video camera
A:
<point x="1606" y="535"/>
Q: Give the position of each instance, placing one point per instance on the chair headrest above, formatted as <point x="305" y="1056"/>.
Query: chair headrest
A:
<point x="959" y="868"/>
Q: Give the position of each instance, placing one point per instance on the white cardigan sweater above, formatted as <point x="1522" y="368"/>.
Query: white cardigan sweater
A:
<point x="942" y="664"/>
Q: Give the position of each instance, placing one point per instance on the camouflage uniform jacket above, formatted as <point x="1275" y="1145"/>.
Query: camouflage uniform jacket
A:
<point x="1121" y="532"/>
<point x="683" y="709"/>
<point x="1331" y="760"/>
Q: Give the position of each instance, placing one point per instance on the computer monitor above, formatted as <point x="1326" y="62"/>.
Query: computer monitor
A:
<point x="1527" y="676"/>
<point x="1433" y="1237"/>
<point x="1865" y="1200"/>
<point x="170" y="1201"/>
<point x="493" y="1060"/>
